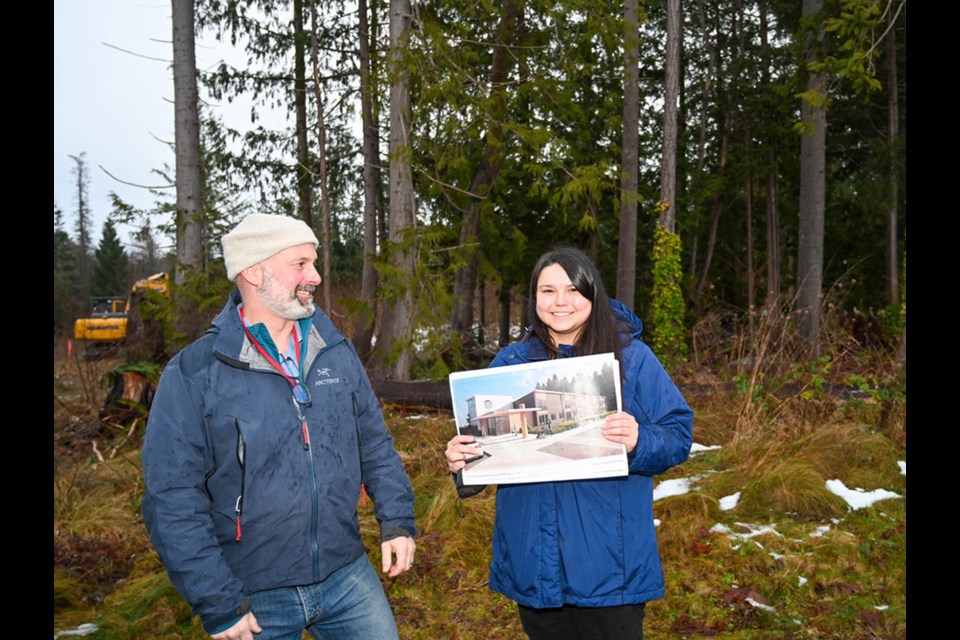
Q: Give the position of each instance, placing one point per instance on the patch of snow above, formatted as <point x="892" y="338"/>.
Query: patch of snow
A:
<point x="85" y="629"/>
<point x="700" y="448"/>
<point x="858" y="498"/>
<point x="760" y="605"/>
<point x="729" y="502"/>
<point x="822" y="529"/>
<point x="881" y="607"/>
<point x="801" y="581"/>
<point x="777" y="556"/>
<point x="674" y="487"/>
<point x="903" y="467"/>
<point x="755" y="530"/>
<point x="656" y="522"/>
<point x="742" y="536"/>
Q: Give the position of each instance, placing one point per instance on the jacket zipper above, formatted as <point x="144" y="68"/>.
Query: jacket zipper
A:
<point x="241" y="453"/>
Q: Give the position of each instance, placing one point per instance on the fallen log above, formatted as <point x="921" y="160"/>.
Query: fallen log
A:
<point x="435" y="394"/>
<point x="432" y="394"/>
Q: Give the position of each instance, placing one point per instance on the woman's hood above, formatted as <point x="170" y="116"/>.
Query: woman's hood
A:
<point x="624" y="313"/>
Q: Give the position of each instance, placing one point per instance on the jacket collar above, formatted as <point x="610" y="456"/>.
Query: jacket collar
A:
<point x="233" y="346"/>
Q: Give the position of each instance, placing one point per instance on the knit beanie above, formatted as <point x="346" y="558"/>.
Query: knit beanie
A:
<point x="260" y="236"/>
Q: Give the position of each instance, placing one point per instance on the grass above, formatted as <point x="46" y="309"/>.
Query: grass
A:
<point x="790" y="560"/>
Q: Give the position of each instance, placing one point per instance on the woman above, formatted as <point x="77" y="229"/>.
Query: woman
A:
<point x="580" y="557"/>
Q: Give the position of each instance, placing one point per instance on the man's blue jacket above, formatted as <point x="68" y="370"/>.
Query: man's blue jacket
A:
<point x="593" y="543"/>
<point x="235" y="501"/>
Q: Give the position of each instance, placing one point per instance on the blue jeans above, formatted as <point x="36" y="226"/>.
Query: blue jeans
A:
<point x="349" y="605"/>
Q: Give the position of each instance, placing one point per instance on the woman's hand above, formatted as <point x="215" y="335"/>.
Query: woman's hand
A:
<point x="459" y="449"/>
<point x="623" y="428"/>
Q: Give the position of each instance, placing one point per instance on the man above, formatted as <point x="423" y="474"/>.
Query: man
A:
<point x="260" y="436"/>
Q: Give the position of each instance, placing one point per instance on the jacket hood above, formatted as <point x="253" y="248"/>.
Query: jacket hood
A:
<point x="623" y="312"/>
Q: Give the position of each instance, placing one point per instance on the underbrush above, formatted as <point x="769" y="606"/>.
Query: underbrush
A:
<point x="758" y="548"/>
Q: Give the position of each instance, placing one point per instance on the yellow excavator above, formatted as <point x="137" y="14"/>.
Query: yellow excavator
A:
<point x="110" y="318"/>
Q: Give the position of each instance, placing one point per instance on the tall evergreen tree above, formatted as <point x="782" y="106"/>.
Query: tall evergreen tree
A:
<point x="393" y="354"/>
<point x="66" y="302"/>
<point x="82" y="222"/>
<point x="110" y="268"/>
<point x="813" y="149"/>
<point x="189" y="210"/>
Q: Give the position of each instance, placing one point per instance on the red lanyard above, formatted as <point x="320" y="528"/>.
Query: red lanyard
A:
<point x="278" y="367"/>
<point x="267" y="356"/>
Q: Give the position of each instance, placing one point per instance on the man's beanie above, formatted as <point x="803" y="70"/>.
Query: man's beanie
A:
<point x="260" y="236"/>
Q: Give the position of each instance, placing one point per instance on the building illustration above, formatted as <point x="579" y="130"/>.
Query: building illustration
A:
<point x="497" y="415"/>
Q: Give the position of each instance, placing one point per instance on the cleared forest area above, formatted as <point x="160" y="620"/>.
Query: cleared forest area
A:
<point x="755" y="540"/>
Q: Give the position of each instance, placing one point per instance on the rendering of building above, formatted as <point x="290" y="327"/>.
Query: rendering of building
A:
<point x="501" y="415"/>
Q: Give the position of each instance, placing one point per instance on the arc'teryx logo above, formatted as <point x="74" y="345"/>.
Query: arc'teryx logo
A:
<point x="323" y="377"/>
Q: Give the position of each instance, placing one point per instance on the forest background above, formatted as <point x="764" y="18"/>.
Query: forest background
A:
<point x="736" y="169"/>
<point x="489" y="132"/>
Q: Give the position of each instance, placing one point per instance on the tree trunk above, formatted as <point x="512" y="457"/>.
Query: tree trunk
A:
<point x="392" y="358"/>
<point x="629" y="163"/>
<point x="322" y="155"/>
<point x="83" y="223"/>
<point x="668" y="163"/>
<point x="504" y="299"/>
<point x="716" y="208"/>
<point x="750" y="275"/>
<point x="364" y="323"/>
<point x="430" y="394"/>
<point x="304" y="170"/>
<point x="708" y="82"/>
<point x="893" y="131"/>
<point x="813" y="146"/>
<point x="187" y="150"/>
<point x="465" y="279"/>
<point x="771" y="194"/>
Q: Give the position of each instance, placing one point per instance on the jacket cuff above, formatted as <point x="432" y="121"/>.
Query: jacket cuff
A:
<point x="216" y="624"/>
<point x="466" y="491"/>
<point x="397" y="531"/>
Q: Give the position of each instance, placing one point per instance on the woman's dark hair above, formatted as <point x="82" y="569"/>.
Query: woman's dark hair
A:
<point x="600" y="333"/>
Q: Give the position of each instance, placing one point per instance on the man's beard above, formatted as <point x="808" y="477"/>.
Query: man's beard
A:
<point x="284" y="302"/>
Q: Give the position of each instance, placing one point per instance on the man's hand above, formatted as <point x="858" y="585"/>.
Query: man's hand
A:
<point x="398" y="555"/>
<point x="243" y="630"/>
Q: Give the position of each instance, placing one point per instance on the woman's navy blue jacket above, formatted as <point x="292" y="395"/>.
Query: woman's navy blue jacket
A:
<point x="593" y="543"/>
<point x="234" y="501"/>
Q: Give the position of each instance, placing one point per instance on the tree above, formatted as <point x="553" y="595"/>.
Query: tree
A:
<point x="771" y="184"/>
<point x="145" y="256"/>
<point x="304" y="164"/>
<point x="668" y="333"/>
<point x="813" y="146"/>
<point x="671" y="97"/>
<point x="372" y="202"/>
<point x="82" y="223"/>
<point x="66" y="301"/>
<point x="393" y="358"/>
<point x="465" y="278"/>
<point x="629" y="159"/>
<point x="189" y="210"/>
<point x="110" y="270"/>
<point x="322" y="158"/>
<point x="893" y="135"/>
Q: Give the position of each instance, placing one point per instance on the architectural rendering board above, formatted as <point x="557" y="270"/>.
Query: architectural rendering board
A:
<point x="540" y="421"/>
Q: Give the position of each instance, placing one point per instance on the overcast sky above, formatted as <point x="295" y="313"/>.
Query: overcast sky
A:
<point x="113" y="99"/>
<point x="111" y="104"/>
